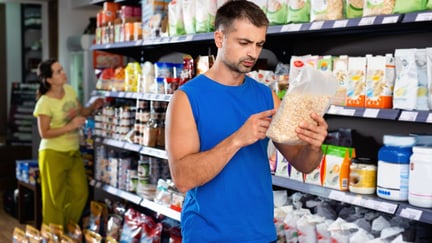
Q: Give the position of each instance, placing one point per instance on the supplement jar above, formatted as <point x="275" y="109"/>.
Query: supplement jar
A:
<point x="393" y="167"/>
<point x="420" y="179"/>
<point x="363" y="173"/>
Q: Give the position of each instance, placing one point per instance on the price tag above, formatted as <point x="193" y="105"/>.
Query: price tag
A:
<point x="348" y="112"/>
<point x="408" y="116"/>
<point x="424" y="17"/>
<point x="371" y="113"/>
<point x="367" y="21"/>
<point x="189" y="37"/>
<point x="411" y="213"/>
<point x="316" y="25"/>
<point x="429" y="118"/>
<point x="175" y="39"/>
<point x="137" y="43"/>
<point x="129" y="95"/>
<point x="340" y="23"/>
<point x="132" y="147"/>
<point x="121" y="94"/>
<point x="337" y="195"/>
<point x="372" y="204"/>
<point x="108" y="46"/>
<point x="335" y="110"/>
<point x="291" y="27"/>
<point x="387" y="207"/>
<point x="390" y="19"/>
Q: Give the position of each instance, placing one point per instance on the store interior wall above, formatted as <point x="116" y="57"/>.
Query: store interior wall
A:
<point x="64" y="20"/>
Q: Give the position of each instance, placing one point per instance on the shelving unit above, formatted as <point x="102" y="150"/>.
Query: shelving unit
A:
<point x="359" y="36"/>
<point x="373" y="202"/>
<point x="133" y="198"/>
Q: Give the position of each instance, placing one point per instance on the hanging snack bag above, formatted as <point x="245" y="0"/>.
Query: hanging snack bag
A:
<point x="309" y="92"/>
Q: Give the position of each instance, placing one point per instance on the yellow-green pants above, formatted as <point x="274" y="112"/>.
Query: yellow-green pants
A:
<point x="64" y="186"/>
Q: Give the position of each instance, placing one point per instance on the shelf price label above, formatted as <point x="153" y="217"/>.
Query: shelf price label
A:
<point x="424" y="17"/>
<point x="340" y="23"/>
<point x="337" y="195"/>
<point x="371" y="113"/>
<point x="316" y="25"/>
<point x="367" y="21"/>
<point x="132" y="147"/>
<point x="408" y="116"/>
<point x="291" y="28"/>
<point x="390" y="19"/>
<point x="387" y="207"/>
<point x="411" y="213"/>
<point x="429" y="118"/>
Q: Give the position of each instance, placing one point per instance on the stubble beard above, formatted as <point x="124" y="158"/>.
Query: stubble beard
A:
<point x="239" y="67"/>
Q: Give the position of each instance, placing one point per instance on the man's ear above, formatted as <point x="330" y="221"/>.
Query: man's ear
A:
<point x="218" y="37"/>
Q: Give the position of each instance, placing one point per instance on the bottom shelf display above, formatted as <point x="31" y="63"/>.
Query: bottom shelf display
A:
<point x="402" y="209"/>
<point x="138" y="200"/>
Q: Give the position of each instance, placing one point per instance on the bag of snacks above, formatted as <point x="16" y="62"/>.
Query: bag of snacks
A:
<point x="309" y="92"/>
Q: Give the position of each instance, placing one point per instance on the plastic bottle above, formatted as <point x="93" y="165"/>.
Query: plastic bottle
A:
<point x="420" y="179"/>
<point x="393" y="167"/>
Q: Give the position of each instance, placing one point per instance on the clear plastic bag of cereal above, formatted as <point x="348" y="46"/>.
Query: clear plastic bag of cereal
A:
<point x="309" y="92"/>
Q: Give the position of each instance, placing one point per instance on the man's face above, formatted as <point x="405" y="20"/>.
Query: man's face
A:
<point x="242" y="45"/>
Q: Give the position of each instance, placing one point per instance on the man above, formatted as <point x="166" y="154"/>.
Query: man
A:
<point x="216" y="138"/>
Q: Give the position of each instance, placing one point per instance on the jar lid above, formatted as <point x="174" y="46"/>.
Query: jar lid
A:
<point x="399" y="141"/>
<point x="361" y="160"/>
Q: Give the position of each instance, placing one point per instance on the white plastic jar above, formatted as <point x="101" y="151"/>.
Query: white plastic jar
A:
<point x="420" y="178"/>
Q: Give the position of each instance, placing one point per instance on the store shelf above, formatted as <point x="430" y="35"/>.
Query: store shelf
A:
<point x="132" y="95"/>
<point x="417" y="17"/>
<point x="159" y="153"/>
<point x="373" y="202"/>
<point x="388" y="114"/>
<point x="131" y="197"/>
<point x="161" y="209"/>
<point x="416" y="116"/>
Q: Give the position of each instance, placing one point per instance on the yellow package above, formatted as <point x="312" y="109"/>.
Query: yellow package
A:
<point x="19" y="236"/>
<point x="33" y="235"/>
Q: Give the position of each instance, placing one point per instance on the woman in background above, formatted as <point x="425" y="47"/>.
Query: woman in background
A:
<point x="64" y="184"/>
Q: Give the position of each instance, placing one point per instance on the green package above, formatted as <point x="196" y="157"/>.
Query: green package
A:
<point x="403" y="6"/>
<point x="299" y="11"/>
<point x="353" y="9"/>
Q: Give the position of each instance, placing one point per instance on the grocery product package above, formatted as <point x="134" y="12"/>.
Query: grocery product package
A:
<point x="373" y="7"/>
<point x="175" y="18"/>
<point x="356" y="82"/>
<point x="277" y="11"/>
<point x="353" y="8"/>
<point x="205" y="15"/>
<point x="298" y="11"/>
<point x="335" y="167"/>
<point x="404" y="6"/>
<point x="326" y="10"/>
<point x="406" y="83"/>
<point x="309" y="92"/>
<point x="429" y="72"/>
<point x="380" y="78"/>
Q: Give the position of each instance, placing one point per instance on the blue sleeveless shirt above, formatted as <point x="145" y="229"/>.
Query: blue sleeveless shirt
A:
<point x="237" y="205"/>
